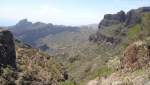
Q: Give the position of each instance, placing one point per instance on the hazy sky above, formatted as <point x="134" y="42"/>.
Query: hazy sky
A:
<point x="67" y="12"/>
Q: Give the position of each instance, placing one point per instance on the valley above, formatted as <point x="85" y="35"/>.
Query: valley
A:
<point x="114" y="52"/>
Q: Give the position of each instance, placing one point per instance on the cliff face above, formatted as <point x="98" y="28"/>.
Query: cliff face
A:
<point x="134" y="16"/>
<point x="7" y="49"/>
<point x="110" y="19"/>
<point x="132" y="64"/>
<point x="116" y="26"/>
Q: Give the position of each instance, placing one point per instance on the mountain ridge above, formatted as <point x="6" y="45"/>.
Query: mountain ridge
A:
<point x="118" y="24"/>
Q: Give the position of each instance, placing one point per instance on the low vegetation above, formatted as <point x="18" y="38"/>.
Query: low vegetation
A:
<point x="33" y="68"/>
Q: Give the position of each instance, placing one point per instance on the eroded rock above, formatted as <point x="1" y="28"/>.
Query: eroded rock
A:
<point x="7" y="49"/>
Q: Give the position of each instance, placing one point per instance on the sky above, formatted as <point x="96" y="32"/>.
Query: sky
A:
<point x="63" y="12"/>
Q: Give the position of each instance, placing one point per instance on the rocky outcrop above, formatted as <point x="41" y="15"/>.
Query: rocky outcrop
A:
<point x="7" y="49"/>
<point x="129" y="19"/>
<point x="100" y="38"/>
<point x="133" y="17"/>
<point x="110" y="19"/>
<point x="121" y="22"/>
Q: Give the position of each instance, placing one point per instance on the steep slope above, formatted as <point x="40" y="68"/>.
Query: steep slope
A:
<point x="120" y="27"/>
<point x="37" y="67"/>
<point x="133" y="68"/>
<point x="130" y="32"/>
<point x="29" y="66"/>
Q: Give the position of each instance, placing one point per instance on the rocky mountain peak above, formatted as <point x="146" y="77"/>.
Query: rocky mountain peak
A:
<point x="117" y="25"/>
<point x="144" y="9"/>
<point x="119" y="16"/>
<point x="110" y="19"/>
<point x="132" y="17"/>
<point x="23" y="22"/>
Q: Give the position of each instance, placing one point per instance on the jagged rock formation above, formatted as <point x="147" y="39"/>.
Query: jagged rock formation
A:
<point x="110" y="19"/>
<point x="100" y="38"/>
<point x="7" y="49"/>
<point x="134" y="16"/>
<point x="114" y="27"/>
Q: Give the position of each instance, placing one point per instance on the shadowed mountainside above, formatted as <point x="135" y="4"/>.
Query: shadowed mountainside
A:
<point x="31" y="32"/>
<point x="51" y="38"/>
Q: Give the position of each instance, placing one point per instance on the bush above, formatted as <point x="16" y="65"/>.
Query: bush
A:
<point x="7" y="76"/>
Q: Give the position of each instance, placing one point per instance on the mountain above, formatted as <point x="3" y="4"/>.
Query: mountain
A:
<point x="24" y="30"/>
<point x="116" y="54"/>
<point x="67" y="47"/>
<point x="129" y="34"/>
<point x="120" y="27"/>
<point x="48" y="37"/>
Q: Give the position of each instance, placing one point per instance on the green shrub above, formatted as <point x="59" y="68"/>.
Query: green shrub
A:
<point x="104" y="71"/>
<point x="7" y="76"/>
<point x="134" y="31"/>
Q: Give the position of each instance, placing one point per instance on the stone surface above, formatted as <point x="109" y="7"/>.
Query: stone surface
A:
<point x="110" y="19"/>
<point x="7" y="49"/>
<point x="121" y="22"/>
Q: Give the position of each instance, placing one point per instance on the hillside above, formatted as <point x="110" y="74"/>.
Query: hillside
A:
<point x="50" y="38"/>
<point x="27" y="66"/>
<point x="129" y="32"/>
<point x="24" y="30"/>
